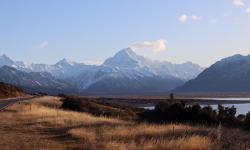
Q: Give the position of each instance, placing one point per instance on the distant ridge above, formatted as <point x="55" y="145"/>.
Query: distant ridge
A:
<point x="231" y="74"/>
<point x="34" y="81"/>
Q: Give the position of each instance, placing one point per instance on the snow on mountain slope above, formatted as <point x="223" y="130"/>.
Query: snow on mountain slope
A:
<point x="133" y="71"/>
<point x="125" y="58"/>
<point x="62" y="69"/>
<point x="124" y="70"/>
<point x="34" y="81"/>
<point x="5" y="60"/>
<point x="128" y="59"/>
<point x="125" y="61"/>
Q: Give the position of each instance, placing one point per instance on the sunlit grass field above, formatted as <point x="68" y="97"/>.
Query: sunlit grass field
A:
<point x="41" y="124"/>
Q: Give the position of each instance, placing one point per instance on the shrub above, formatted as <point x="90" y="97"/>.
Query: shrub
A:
<point x="178" y="112"/>
<point x="247" y="121"/>
<point x="90" y="105"/>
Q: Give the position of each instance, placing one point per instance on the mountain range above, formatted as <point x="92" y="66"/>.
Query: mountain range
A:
<point x="231" y="74"/>
<point x="34" y="81"/>
<point x="124" y="73"/>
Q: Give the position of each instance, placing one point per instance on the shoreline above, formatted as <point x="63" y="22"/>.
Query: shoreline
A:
<point x="147" y="102"/>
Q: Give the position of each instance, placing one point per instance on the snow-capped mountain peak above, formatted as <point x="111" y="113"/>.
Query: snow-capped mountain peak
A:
<point x="124" y="64"/>
<point x="130" y="63"/>
<point x="126" y="70"/>
<point x="4" y="56"/>
<point x="65" y="62"/>
<point x="5" y="60"/>
<point x="127" y="52"/>
<point x="126" y="58"/>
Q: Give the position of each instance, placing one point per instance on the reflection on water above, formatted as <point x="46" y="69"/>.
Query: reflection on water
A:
<point x="149" y="107"/>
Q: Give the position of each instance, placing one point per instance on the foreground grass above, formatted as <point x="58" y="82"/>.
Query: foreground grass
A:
<point x="40" y="124"/>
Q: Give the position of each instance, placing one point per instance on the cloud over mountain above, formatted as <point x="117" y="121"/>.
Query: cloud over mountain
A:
<point x="238" y="2"/>
<point x="158" y="45"/>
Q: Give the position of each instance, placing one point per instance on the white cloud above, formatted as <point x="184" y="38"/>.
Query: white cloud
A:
<point x="41" y="45"/>
<point x="248" y="10"/>
<point x="238" y="2"/>
<point x="154" y="46"/>
<point x="183" y="18"/>
<point x="195" y="18"/>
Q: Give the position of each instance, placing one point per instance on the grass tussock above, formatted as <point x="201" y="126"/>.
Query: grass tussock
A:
<point x="144" y="136"/>
<point x="54" y="116"/>
<point x="189" y="143"/>
<point x="144" y="131"/>
<point x="83" y="134"/>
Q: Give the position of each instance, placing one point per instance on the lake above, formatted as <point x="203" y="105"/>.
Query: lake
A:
<point x="241" y="108"/>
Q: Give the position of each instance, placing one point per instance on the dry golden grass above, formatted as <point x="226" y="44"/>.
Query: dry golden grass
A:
<point x="145" y="130"/>
<point x="143" y="136"/>
<point x="61" y="118"/>
<point x="40" y="124"/>
<point x="188" y="143"/>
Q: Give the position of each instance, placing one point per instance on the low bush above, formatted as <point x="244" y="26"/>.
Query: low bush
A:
<point x="179" y="112"/>
<point x="97" y="108"/>
<point x="247" y="121"/>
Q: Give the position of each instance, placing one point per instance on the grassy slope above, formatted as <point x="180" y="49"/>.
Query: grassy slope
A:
<point x="8" y="90"/>
<point x="94" y="107"/>
<point x="42" y="125"/>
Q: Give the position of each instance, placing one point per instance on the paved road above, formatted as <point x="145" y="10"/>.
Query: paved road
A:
<point x="7" y="102"/>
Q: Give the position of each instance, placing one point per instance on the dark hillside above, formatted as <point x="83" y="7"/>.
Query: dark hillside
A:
<point x="8" y="90"/>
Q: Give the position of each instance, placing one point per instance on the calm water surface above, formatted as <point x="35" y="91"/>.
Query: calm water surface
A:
<point x="241" y="108"/>
<point x="231" y="98"/>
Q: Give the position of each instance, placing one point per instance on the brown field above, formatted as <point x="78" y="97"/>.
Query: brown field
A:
<point x="41" y="124"/>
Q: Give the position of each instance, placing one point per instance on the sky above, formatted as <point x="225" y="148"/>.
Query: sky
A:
<point x="45" y="31"/>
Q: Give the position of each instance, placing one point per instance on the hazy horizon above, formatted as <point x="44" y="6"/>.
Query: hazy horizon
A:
<point x="86" y="31"/>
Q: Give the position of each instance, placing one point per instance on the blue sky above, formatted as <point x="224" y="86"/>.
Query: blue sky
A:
<point x="45" y="31"/>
